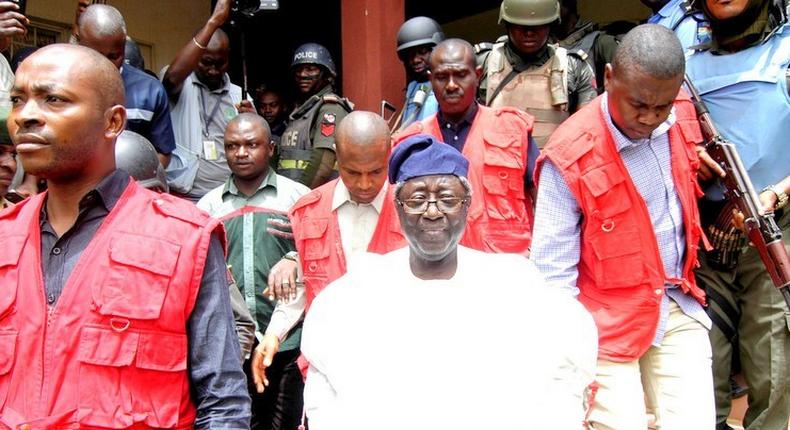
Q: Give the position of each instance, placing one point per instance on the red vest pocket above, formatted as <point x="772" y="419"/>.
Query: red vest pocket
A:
<point x="129" y="377"/>
<point x="619" y="253"/>
<point x="7" y="357"/>
<point x="9" y="276"/>
<point x="138" y="276"/>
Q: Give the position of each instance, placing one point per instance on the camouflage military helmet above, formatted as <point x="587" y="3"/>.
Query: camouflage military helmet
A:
<point x="137" y="156"/>
<point x="313" y="53"/>
<point x="417" y="31"/>
<point x="529" y="12"/>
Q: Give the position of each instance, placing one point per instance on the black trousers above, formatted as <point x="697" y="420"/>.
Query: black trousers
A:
<point x="280" y="406"/>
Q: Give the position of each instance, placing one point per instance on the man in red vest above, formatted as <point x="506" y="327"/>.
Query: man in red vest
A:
<point x="349" y="215"/>
<point x="114" y="311"/>
<point x="617" y="224"/>
<point x="496" y="141"/>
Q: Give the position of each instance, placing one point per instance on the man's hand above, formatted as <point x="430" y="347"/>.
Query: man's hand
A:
<point x="245" y="107"/>
<point x="262" y="358"/>
<point x="12" y="23"/>
<point x="708" y="168"/>
<point x="221" y="13"/>
<point x="768" y="202"/>
<point x="282" y="281"/>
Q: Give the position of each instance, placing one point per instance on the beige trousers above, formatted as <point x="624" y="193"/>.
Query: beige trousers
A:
<point x="675" y="381"/>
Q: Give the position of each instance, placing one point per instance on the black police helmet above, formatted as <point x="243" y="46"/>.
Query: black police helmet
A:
<point x="137" y="156"/>
<point x="313" y="53"/>
<point x="417" y="31"/>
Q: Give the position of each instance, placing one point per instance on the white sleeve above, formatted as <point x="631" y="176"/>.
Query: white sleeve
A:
<point x="319" y="399"/>
<point x="318" y="347"/>
<point x="286" y="315"/>
<point x="577" y="368"/>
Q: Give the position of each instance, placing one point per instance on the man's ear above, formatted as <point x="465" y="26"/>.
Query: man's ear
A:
<point x="479" y="71"/>
<point x="608" y="75"/>
<point x="115" y="121"/>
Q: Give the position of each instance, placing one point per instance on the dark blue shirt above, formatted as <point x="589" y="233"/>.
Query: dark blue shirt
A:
<point x="219" y="386"/>
<point x="455" y="134"/>
<point x="147" y="109"/>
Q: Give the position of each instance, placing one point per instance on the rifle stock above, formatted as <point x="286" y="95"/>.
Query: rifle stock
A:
<point x="761" y="228"/>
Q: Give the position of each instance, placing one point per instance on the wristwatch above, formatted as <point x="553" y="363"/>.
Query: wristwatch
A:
<point x="294" y="256"/>
<point x="781" y="196"/>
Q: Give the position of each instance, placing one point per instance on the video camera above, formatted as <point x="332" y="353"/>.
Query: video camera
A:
<point x="248" y="8"/>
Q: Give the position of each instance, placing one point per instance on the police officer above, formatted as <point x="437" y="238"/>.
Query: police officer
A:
<point x="524" y="71"/>
<point x="307" y="148"/>
<point x="741" y="75"/>
<point x="585" y="39"/>
<point x="683" y="17"/>
<point x="416" y="39"/>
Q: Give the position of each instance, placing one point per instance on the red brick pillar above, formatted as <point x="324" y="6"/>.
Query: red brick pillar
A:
<point x="371" y="69"/>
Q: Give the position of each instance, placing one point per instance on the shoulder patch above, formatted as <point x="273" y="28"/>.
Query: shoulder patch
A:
<point x="328" y="124"/>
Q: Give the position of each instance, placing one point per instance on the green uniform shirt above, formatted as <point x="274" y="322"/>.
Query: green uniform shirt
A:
<point x="259" y="235"/>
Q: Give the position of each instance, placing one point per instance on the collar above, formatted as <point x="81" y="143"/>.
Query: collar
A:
<point x="342" y="196"/>
<point x="468" y="118"/>
<point x="221" y="90"/>
<point x="622" y="141"/>
<point x="230" y="185"/>
<point x="106" y="194"/>
<point x="668" y="8"/>
<point x="310" y="102"/>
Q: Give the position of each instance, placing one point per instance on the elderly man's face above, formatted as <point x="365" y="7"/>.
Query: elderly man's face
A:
<point x="7" y="167"/>
<point x="248" y="148"/>
<point x="56" y="120"/>
<point x="432" y="211"/>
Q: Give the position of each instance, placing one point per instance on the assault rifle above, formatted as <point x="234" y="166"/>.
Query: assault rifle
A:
<point x="761" y="229"/>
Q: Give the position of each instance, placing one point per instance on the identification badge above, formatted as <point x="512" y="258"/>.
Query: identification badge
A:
<point x="210" y="152"/>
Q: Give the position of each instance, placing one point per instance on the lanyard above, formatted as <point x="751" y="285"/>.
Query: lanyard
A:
<point x="208" y="120"/>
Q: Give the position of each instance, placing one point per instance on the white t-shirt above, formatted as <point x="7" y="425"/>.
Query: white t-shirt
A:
<point x="491" y="348"/>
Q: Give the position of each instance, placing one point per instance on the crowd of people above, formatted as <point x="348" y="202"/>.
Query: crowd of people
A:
<point x="537" y="240"/>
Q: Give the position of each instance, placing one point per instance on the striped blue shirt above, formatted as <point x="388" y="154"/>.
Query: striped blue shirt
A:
<point x="557" y="232"/>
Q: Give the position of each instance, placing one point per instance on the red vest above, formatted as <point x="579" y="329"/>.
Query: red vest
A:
<point x="500" y="215"/>
<point x="317" y="236"/>
<point x="112" y="352"/>
<point x="621" y="274"/>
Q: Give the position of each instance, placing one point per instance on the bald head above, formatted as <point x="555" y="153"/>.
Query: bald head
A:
<point x="455" y="51"/>
<point x="213" y="64"/>
<point x="652" y="49"/>
<point x="251" y="121"/>
<point x="363" y="150"/>
<point x="102" y="20"/>
<point x="83" y="65"/>
<point x="102" y="29"/>
<point x="363" y="130"/>
<point x="71" y="99"/>
<point x="219" y="42"/>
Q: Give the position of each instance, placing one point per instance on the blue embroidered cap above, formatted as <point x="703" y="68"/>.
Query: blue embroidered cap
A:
<point x="423" y="155"/>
